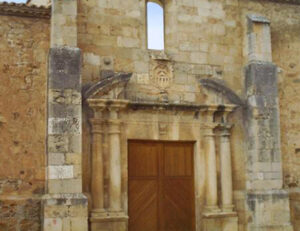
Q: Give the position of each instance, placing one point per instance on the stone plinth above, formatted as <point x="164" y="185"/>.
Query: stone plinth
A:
<point x="220" y="222"/>
<point x="108" y="223"/>
<point x="65" y="212"/>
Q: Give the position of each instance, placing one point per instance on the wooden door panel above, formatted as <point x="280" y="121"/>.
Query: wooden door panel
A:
<point x="143" y="202"/>
<point x="177" y="204"/>
<point x="178" y="159"/>
<point x="161" y="186"/>
<point x="143" y="159"/>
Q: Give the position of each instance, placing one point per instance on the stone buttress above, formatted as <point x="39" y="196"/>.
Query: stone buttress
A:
<point x="267" y="204"/>
<point x="64" y="205"/>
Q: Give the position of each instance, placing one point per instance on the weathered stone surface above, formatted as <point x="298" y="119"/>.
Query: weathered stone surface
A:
<point x="266" y="205"/>
<point x="24" y="44"/>
<point x="21" y="214"/>
<point x="263" y="125"/>
<point x="64" y="206"/>
<point x="64" y="68"/>
<point x="269" y="207"/>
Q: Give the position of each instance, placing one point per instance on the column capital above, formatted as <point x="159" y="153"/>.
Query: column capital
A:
<point x="208" y="112"/>
<point x="117" y="105"/>
<point x="228" y="108"/>
<point x="225" y="129"/>
<point x="97" y="105"/>
<point x="96" y="125"/>
<point x="208" y="128"/>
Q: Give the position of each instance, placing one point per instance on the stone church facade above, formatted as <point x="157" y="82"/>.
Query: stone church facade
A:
<point x="100" y="133"/>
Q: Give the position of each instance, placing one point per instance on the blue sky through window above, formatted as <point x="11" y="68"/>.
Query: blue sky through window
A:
<point x="155" y="19"/>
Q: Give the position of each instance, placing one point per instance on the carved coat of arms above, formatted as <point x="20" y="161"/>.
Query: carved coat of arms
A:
<point x="161" y="73"/>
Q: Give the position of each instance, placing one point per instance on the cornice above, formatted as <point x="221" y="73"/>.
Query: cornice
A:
<point x="24" y="10"/>
<point x="295" y="2"/>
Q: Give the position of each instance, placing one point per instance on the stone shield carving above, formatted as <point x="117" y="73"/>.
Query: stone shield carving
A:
<point x="161" y="74"/>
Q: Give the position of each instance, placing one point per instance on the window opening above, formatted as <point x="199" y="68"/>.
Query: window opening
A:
<point x="155" y="26"/>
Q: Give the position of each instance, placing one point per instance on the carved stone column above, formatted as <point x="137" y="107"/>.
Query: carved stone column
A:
<point x="211" y="163"/>
<point x="213" y="217"/>
<point x="115" y="191"/>
<point x="226" y="172"/>
<point x="97" y="184"/>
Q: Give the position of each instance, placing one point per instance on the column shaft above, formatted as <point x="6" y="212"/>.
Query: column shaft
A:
<point x="115" y="166"/>
<point x="226" y="171"/>
<point x="211" y="171"/>
<point x="97" y="167"/>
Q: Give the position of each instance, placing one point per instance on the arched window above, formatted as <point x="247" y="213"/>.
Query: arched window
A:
<point x="155" y="26"/>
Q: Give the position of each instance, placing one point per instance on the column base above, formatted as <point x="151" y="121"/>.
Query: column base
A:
<point x="227" y="208"/>
<point x="61" y="212"/>
<point x="211" y="210"/>
<point x="98" y="213"/>
<point x="109" y="221"/>
<point x="220" y="222"/>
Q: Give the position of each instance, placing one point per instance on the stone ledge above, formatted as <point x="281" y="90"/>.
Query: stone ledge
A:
<point x="221" y="223"/>
<point x="219" y="215"/>
<point x="66" y="198"/>
<point x="108" y="218"/>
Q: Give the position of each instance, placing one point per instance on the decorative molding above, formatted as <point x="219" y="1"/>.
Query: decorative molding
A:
<point x="163" y="128"/>
<point x="258" y="18"/>
<point x="105" y="85"/>
<point x="297" y="2"/>
<point x="180" y="107"/>
<point x="25" y="10"/>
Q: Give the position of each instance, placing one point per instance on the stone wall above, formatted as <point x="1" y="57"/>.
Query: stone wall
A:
<point x="201" y="42"/>
<point x="24" y="45"/>
<point x="203" y="39"/>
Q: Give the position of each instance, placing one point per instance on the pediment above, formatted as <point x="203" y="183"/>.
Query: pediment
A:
<point x="145" y="88"/>
<point x="110" y="87"/>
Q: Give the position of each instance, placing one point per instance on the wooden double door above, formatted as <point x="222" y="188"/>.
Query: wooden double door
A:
<point x="161" y="186"/>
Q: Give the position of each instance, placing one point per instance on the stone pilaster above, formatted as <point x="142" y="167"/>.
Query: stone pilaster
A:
<point x="266" y="202"/>
<point x="64" y="205"/>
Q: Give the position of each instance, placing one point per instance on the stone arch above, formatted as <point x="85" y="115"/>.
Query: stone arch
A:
<point x="105" y="85"/>
<point x="220" y="87"/>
